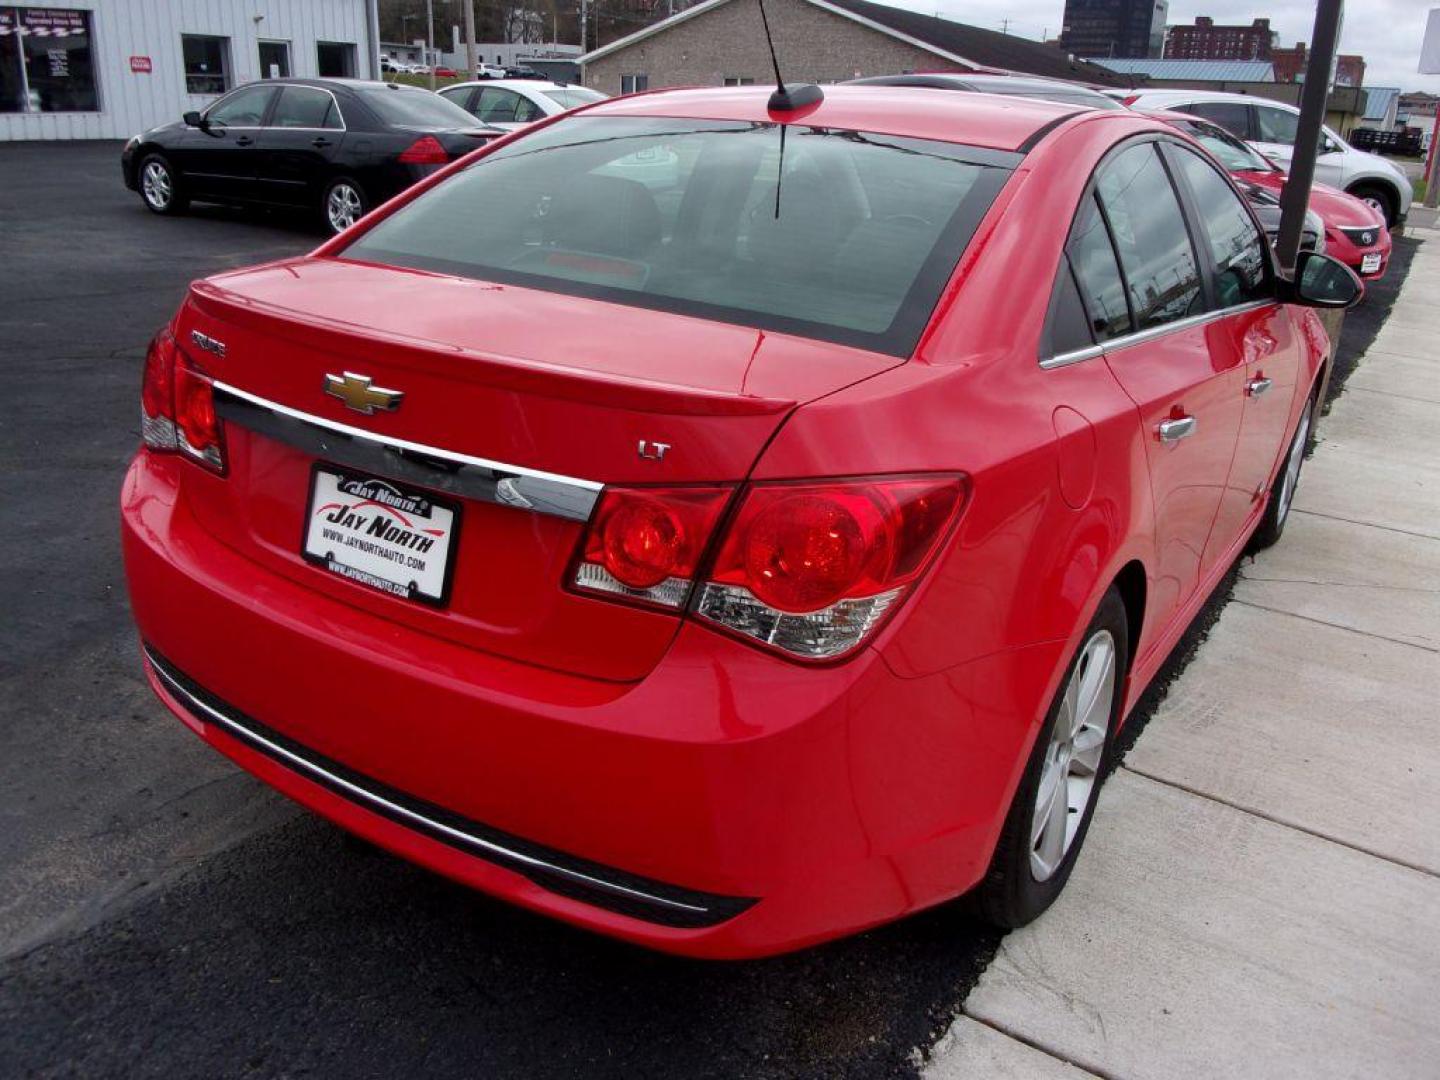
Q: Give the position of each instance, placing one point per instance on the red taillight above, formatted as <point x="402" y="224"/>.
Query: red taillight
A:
<point x="178" y="405"/>
<point x="811" y="569"/>
<point x="645" y="543"/>
<point x="196" y="424"/>
<point x="425" y="150"/>
<point x="157" y="394"/>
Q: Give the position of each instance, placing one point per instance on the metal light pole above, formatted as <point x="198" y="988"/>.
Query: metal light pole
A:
<point x="584" y="13"/>
<point x="430" y="37"/>
<point x="1323" y="41"/>
<point x="470" y="37"/>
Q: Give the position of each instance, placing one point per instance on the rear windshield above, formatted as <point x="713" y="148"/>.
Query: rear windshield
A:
<point x="415" y="108"/>
<point x="1228" y="150"/>
<point x="840" y="235"/>
<point x="570" y="96"/>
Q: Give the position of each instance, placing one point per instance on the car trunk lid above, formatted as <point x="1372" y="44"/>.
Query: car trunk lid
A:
<point x="542" y="386"/>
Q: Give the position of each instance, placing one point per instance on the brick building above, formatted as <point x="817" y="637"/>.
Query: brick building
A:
<point x="720" y="42"/>
<point x="1290" y="66"/>
<point x="1205" y="40"/>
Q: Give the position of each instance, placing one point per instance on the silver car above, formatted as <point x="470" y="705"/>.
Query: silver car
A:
<point x="1269" y="126"/>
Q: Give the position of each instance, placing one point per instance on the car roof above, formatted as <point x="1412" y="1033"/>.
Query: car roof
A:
<point x="1159" y="96"/>
<point x="512" y="84"/>
<point x="1020" y="85"/>
<point x="975" y="119"/>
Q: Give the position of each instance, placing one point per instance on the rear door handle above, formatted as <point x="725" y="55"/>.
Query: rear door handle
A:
<point x="1175" y="429"/>
<point x="319" y="141"/>
<point x="1256" y="387"/>
<point x="244" y="140"/>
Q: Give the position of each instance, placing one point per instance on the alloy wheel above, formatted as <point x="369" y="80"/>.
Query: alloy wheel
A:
<point x="1292" y="466"/>
<point x="1071" y="767"/>
<point x="156" y="185"/>
<point x="343" y="207"/>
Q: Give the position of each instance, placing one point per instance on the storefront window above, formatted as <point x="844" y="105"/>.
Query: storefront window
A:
<point x="45" y="61"/>
<point x="12" y="87"/>
<point x="207" y="63"/>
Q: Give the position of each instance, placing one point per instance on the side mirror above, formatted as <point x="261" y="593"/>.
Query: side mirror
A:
<point x="1323" y="282"/>
<point x="193" y="119"/>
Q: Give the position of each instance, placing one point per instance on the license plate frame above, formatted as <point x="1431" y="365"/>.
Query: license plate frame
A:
<point x="415" y="511"/>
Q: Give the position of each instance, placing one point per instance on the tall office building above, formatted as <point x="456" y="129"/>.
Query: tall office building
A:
<point x="1131" y="29"/>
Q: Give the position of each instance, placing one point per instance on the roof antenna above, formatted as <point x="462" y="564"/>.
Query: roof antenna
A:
<point x="783" y="99"/>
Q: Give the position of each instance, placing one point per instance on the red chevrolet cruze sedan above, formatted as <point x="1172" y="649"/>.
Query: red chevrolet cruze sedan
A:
<point x="721" y="526"/>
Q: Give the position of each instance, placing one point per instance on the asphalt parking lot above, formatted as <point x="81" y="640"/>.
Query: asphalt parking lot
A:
<point x="161" y="913"/>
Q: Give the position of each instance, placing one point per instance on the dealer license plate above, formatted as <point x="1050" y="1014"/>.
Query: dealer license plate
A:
<point x="1370" y="263"/>
<point x="392" y="538"/>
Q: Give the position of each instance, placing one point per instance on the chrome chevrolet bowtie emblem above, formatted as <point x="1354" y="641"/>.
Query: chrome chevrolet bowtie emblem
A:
<point x="358" y="393"/>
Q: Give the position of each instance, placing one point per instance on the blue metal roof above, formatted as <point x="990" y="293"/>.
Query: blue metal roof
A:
<point x="1377" y="101"/>
<point x="1195" y="70"/>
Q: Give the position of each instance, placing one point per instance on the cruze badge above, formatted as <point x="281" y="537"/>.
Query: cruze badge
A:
<point x="358" y="393"/>
<point x="208" y="343"/>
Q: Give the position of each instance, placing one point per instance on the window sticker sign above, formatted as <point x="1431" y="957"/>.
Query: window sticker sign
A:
<point x="48" y="22"/>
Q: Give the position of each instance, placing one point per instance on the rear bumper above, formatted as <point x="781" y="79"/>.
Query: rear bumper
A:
<point x="729" y="804"/>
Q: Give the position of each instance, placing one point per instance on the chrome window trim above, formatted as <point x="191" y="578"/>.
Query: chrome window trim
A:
<point x="461" y="474"/>
<point x="1139" y="337"/>
<point x="307" y="767"/>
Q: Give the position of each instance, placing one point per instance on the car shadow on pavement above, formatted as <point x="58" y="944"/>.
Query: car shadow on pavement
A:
<point x="303" y="951"/>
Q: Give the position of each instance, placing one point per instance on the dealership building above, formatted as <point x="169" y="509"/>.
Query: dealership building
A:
<point x="107" y="69"/>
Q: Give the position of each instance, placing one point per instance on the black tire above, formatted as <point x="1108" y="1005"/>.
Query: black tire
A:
<point x="1282" y="488"/>
<point x="1382" y="196"/>
<point x="160" y="187"/>
<point x="1011" y="894"/>
<point x="356" y="202"/>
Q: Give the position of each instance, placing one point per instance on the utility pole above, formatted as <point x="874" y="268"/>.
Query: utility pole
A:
<point x="1323" y="41"/>
<point x="430" y="37"/>
<point x="470" y="37"/>
<point x="1004" y="26"/>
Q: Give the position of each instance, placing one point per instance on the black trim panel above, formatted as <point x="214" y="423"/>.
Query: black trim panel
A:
<point x="568" y="875"/>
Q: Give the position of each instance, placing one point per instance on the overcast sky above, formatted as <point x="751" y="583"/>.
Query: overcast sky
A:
<point x="1386" y="32"/>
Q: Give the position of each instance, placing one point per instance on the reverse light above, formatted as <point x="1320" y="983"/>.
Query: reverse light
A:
<point x="425" y="150"/>
<point x="645" y="544"/>
<point x="812" y="569"/>
<point x="177" y="406"/>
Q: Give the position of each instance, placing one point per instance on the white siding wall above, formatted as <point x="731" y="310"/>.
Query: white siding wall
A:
<point x="131" y="102"/>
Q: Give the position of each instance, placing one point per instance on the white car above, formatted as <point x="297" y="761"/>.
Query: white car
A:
<point x="513" y="103"/>
<point x="1269" y="126"/>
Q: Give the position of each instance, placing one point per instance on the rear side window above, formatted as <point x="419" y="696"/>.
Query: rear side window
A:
<point x="1097" y="273"/>
<point x="1233" y="116"/>
<point x="1237" y="261"/>
<point x="304" y="107"/>
<point x="1067" y="326"/>
<point x="1158" y="260"/>
<point x="569" y="96"/>
<point x="840" y="235"/>
<point x="1275" y="125"/>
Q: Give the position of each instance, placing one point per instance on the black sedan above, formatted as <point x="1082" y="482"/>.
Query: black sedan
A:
<point x="338" y="146"/>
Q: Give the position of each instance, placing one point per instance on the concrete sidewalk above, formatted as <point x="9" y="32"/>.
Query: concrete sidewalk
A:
<point x="1259" y="895"/>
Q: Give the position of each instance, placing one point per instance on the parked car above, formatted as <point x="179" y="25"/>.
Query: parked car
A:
<point x="338" y="146"/>
<point x="1269" y="126"/>
<point x="513" y="103"/>
<point x="1069" y="93"/>
<point x="1349" y="229"/>
<point x="523" y="72"/>
<point x="737" y="566"/>
<point x="489" y="71"/>
<point x="446" y="72"/>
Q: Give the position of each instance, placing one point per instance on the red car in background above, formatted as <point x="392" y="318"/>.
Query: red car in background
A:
<point x="736" y="554"/>
<point x="1355" y="232"/>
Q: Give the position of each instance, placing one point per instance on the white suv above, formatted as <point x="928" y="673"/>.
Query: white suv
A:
<point x="1269" y="126"/>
